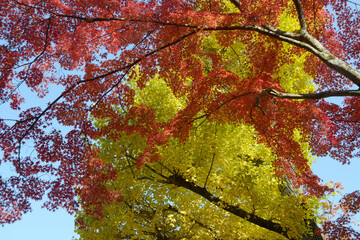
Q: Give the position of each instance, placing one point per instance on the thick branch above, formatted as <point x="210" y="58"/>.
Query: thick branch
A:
<point x="311" y="44"/>
<point x="303" y="40"/>
<point x="320" y="95"/>
<point x="180" y="181"/>
<point x="332" y="61"/>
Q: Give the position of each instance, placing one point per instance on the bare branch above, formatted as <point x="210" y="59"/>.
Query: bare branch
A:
<point x="320" y="95"/>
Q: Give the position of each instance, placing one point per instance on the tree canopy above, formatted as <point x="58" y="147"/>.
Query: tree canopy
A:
<point x="187" y="118"/>
<point x="201" y="188"/>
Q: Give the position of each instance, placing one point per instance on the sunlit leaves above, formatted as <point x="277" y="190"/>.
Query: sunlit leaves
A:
<point x="227" y="159"/>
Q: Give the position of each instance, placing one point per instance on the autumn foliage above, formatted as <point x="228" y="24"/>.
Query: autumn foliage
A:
<point x="143" y="79"/>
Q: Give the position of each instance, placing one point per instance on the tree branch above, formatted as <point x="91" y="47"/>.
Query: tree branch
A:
<point x="301" y="15"/>
<point x="180" y="181"/>
<point x="211" y="166"/>
<point x="320" y="95"/>
<point x="237" y="4"/>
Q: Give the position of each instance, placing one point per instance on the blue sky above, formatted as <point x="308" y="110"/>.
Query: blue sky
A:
<point x="40" y="224"/>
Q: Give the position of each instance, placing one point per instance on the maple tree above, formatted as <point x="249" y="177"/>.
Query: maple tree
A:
<point x="234" y="64"/>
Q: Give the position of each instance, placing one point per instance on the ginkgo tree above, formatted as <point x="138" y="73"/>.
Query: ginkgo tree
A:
<point x="255" y="69"/>
<point x="218" y="184"/>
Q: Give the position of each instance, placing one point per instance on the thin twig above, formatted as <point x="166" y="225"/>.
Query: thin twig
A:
<point x="211" y="166"/>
